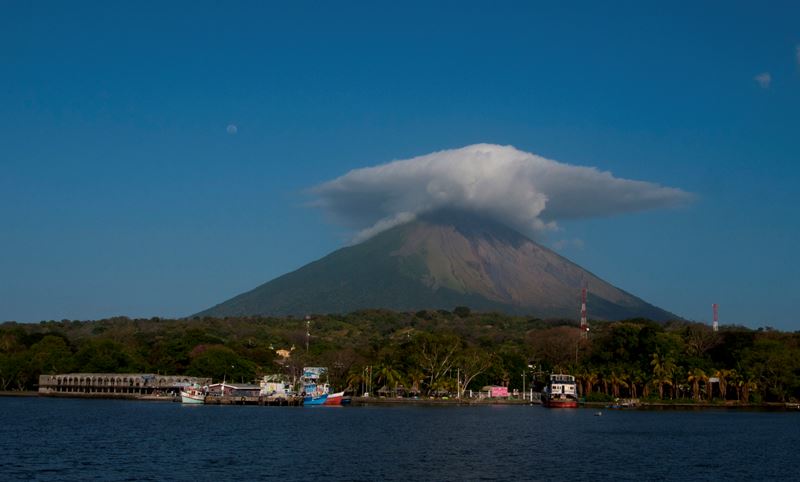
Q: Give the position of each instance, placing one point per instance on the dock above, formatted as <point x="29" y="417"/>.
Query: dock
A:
<point x="260" y="401"/>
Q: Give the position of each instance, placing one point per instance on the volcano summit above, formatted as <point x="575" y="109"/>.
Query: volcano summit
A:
<point x="440" y="261"/>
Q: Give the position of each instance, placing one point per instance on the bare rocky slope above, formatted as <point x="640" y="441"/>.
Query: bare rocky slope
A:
<point x="440" y="262"/>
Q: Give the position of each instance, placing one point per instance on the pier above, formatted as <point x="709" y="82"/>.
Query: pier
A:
<point x="261" y="401"/>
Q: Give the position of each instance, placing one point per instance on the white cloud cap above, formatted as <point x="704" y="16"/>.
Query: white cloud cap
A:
<point x="764" y="80"/>
<point x="522" y="190"/>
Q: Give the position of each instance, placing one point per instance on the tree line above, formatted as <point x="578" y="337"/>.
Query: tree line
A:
<point x="427" y="353"/>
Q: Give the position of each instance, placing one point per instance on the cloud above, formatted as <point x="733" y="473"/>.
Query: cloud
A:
<point x="232" y="129"/>
<point x="519" y="189"/>
<point x="764" y="79"/>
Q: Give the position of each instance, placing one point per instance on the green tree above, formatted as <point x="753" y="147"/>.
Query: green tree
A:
<point x="663" y="371"/>
<point x="103" y="356"/>
<point x="471" y="363"/>
<point x="436" y="354"/>
<point x="697" y="376"/>
<point x="221" y="363"/>
<point x="387" y="376"/>
<point x="51" y="355"/>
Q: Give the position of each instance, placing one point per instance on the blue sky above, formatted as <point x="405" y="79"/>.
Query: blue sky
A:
<point x="123" y="193"/>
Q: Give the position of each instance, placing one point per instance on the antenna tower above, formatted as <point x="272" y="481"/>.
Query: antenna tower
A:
<point x="715" y="325"/>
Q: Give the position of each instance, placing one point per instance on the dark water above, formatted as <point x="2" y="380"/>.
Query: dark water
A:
<point x="62" y="439"/>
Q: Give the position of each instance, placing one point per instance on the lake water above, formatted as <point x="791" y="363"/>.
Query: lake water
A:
<point x="68" y="439"/>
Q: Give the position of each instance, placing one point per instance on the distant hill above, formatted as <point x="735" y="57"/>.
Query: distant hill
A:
<point x="440" y="262"/>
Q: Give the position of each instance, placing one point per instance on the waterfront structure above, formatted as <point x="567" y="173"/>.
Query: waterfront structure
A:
<point x="494" y="391"/>
<point x="239" y="390"/>
<point x="116" y="385"/>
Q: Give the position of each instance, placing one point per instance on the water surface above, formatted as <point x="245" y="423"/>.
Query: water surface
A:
<point x="71" y="439"/>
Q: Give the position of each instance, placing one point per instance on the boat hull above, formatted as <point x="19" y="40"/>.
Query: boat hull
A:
<point x="568" y="403"/>
<point x="320" y="400"/>
<point x="335" y="399"/>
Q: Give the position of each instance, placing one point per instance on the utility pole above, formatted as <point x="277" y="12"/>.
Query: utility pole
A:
<point x="308" y="331"/>
<point x="584" y="321"/>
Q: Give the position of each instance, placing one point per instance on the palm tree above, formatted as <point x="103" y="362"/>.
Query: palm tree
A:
<point x="677" y="377"/>
<point x="635" y="378"/>
<point x="355" y="379"/>
<point x="747" y="384"/>
<point x="617" y="380"/>
<point x="695" y="377"/>
<point x="734" y="378"/>
<point x="590" y="377"/>
<point x="604" y="377"/>
<point x="722" y="375"/>
<point x="387" y="376"/>
<point x="580" y="376"/>
<point x="663" y="370"/>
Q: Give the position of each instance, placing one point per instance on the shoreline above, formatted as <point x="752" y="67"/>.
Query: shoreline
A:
<point x="18" y="393"/>
<point x="439" y="401"/>
<point x="367" y="401"/>
<point x="791" y="406"/>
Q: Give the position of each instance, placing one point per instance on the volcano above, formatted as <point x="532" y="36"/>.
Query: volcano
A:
<point x="441" y="261"/>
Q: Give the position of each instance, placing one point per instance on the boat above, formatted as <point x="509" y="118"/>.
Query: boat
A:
<point x="337" y="398"/>
<point x="314" y="392"/>
<point x="560" y="392"/>
<point x="193" y="396"/>
<point x="315" y="399"/>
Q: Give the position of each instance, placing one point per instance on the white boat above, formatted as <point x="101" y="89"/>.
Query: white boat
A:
<point x="560" y="392"/>
<point x="192" y="395"/>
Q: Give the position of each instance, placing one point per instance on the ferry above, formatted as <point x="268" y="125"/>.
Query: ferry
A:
<point x="560" y="392"/>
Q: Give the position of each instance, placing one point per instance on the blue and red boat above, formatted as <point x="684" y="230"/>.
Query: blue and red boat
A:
<point x="314" y="391"/>
<point x="317" y="393"/>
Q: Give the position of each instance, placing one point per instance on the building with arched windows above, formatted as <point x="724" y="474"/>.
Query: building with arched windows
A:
<point x="115" y="385"/>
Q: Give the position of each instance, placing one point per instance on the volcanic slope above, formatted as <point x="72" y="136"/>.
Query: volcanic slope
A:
<point x="441" y="262"/>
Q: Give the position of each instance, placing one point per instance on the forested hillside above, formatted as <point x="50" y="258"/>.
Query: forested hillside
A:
<point x="428" y="352"/>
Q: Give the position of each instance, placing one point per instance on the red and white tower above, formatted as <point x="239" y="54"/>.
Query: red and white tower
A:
<point x="584" y="322"/>
<point x="715" y="325"/>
